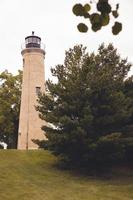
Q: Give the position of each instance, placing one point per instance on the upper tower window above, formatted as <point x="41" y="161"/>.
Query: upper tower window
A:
<point x="23" y="62"/>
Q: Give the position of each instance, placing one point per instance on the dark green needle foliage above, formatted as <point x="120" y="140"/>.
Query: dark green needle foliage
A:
<point x="100" y="18"/>
<point x="89" y="108"/>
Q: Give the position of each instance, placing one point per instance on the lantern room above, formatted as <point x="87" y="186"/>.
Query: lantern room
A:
<point x="33" y="41"/>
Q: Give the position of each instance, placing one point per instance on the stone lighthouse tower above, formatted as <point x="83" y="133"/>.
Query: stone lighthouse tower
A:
<point x="33" y="82"/>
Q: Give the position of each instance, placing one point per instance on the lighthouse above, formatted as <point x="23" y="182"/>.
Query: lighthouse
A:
<point x="30" y="124"/>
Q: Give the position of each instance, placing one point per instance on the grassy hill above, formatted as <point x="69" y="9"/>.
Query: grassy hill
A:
<point x="32" y="175"/>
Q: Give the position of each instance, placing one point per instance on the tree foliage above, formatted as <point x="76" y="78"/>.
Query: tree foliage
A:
<point x="89" y="109"/>
<point x="10" y="91"/>
<point x="98" y="19"/>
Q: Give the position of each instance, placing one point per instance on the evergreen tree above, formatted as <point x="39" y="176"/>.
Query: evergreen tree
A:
<point x="87" y="109"/>
<point x="128" y="130"/>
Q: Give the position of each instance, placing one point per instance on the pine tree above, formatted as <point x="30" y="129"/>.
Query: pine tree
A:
<point x="86" y="109"/>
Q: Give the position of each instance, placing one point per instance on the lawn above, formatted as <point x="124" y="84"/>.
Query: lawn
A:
<point x="32" y="175"/>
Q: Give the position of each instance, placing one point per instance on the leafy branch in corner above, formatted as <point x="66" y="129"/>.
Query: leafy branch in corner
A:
<point x="98" y="19"/>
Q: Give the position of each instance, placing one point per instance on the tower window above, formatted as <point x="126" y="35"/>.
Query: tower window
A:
<point x="23" y="62"/>
<point x="38" y="90"/>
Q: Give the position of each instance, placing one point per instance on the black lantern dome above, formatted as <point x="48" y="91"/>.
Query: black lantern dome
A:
<point x="33" y="41"/>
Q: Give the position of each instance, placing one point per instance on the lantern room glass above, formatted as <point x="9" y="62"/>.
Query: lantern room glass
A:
<point x="33" y="41"/>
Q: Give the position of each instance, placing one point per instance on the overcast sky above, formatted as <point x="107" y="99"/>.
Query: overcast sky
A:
<point x="54" y="22"/>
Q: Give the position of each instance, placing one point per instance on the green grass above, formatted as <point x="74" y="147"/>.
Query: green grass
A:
<point x="32" y="175"/>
